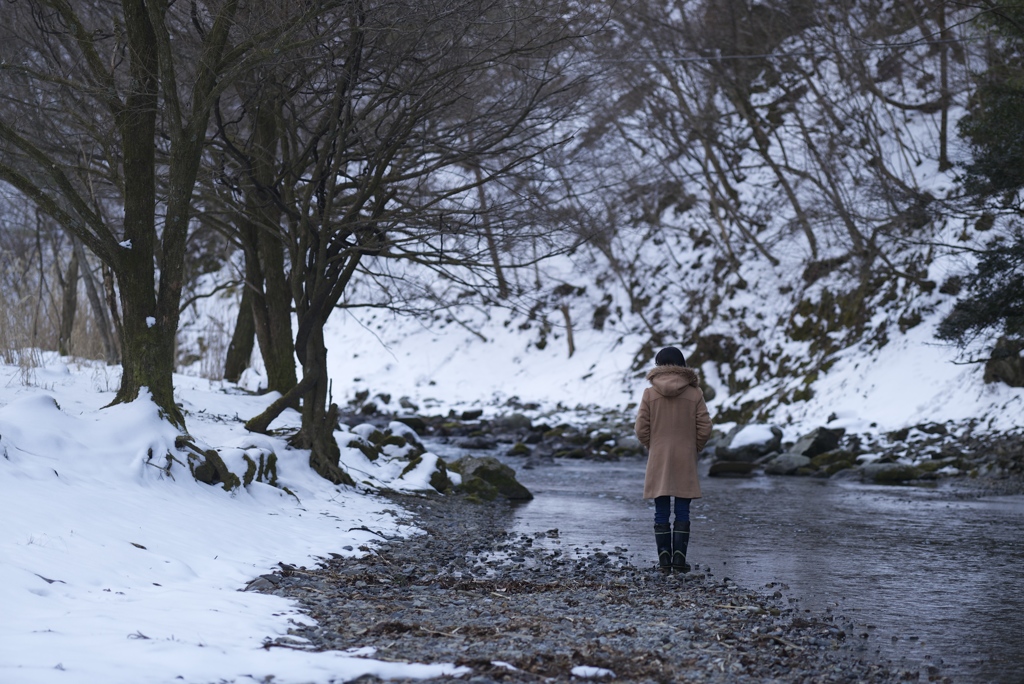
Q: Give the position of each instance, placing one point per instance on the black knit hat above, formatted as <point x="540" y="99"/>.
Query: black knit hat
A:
<point x="670" y="356"/>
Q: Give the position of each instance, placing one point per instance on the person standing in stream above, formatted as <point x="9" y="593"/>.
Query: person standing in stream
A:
<point x="674" y="424"/>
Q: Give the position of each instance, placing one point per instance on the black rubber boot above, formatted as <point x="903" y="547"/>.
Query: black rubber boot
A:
<point x="680" y="540"/>
<point x="663" y="537"/>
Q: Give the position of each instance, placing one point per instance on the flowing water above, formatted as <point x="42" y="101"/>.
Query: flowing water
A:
<point x="923" y="577"/>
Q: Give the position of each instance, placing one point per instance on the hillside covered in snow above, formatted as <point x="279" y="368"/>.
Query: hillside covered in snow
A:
<point x="774" y="188"/>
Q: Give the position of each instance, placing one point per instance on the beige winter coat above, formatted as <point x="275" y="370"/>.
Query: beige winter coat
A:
<point x="674" y="425"/>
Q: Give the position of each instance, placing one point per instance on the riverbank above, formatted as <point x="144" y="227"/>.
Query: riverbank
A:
<point x="977" y="460"/>
<point x="507" y="609"/>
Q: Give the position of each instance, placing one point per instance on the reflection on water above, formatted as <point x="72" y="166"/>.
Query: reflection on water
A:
<point x="928" y="578"/>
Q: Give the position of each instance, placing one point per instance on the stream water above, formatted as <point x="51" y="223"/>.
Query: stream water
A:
<point x="923" y="577"/>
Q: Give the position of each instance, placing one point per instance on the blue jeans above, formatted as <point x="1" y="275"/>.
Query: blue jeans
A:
<point x="662" y="508"/>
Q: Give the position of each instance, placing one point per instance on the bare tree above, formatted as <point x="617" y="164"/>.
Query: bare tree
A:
<point x="239" y="196"/>
<point x="414" y="146"/>
<point x="103" y="123"/>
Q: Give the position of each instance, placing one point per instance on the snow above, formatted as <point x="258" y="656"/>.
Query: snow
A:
<point x="911" y="380"/>
<point x="752" y="434"/>
<point x="113" y="571"/>
<point x="591" y="672"/>
<point x="445" y="367"/>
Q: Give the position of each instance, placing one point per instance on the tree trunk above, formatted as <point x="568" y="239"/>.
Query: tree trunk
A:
<point x="69" y="305"/>
<point x="147" y="348"/>
<point x="568" y="329"/>
<point x="147" y="338"/>
<point x="242" y="341"/>
<point x="492" y="246"/>
<point x="261" y="423"/>
<point x="279" y="357"/>
<point x="319" y="416"/>
<point x="944" y="163"/>
<point x="99" y="310"/>
<point x="149" y="323"/>
<point x="110" y="292"/>
<point x="264" y="255"/>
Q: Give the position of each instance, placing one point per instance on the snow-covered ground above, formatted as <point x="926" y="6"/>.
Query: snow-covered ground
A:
<point x="112" y="571"/>
<point x="114" y="568"/>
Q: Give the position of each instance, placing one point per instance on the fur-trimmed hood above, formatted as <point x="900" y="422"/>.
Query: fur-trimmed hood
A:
<point x="670" y="381"/>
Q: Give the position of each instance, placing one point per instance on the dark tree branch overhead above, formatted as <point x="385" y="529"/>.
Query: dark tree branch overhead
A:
<point x="386" y="137"/>
<point x="128" y="88"/>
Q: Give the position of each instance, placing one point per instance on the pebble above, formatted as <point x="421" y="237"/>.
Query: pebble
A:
<point x="470" y="593"/>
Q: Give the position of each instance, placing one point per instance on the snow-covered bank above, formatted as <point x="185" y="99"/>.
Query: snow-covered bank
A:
<point x="111" y="571"/>
<point x="911" y="380"/>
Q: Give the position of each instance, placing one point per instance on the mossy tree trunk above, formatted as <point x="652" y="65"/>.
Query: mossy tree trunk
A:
<point x="150" y="310"/>
<point x="147" y="333"/>
<point x="319" y="414"/>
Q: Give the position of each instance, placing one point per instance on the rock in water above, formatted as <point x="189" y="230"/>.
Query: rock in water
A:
<point x="888" y="473"/>
<point x="731" y="469"/>
<point x="786" y="464"/>
<point x="749" y="443"/>
<point x="818" y="442"/>
<point x="489" y="471"/>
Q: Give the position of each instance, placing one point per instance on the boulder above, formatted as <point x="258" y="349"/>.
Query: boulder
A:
<point x="749" y="443"/>
<point x="490" y="471"/>
<point x="417" y="424"/>
<point x="629" y="442"/>
<point x="818" y="442"/>
<point x="427" y="469"/>
<point x="439" y="479"/>
<point x="626" y="445"/>
<point x="1006" y="363"/>
<point x="477" y="443"/>
<point x="519" y="449"/>
<point x="933" y="429"/>
<point x="833" y="457"/>
<point x="732" y="469"/>
<point x="478" y="489"/>
<point x="786" y="464"/>
<point x="832" y="462"/>
<point x="515" y="422"/>
<point x="710" y="448"/>
<point x="888" y="473"/>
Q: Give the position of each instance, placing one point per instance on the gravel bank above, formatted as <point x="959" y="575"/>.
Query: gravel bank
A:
<point x="511" y="609"/>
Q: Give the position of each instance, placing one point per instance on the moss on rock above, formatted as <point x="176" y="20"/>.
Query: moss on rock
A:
<point x="477" y="489"/>
<point x="520" y="449"/>
<point x="370" y="451"/>
<point x="213" y="470"/>
<point x="827" y="459"/>
<point x="439" y="479"/>
<point x="250" y="470"/>
<point x="394" y="440"/>
<point x="494" y="473"/>
<point x="413" y="462"/>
